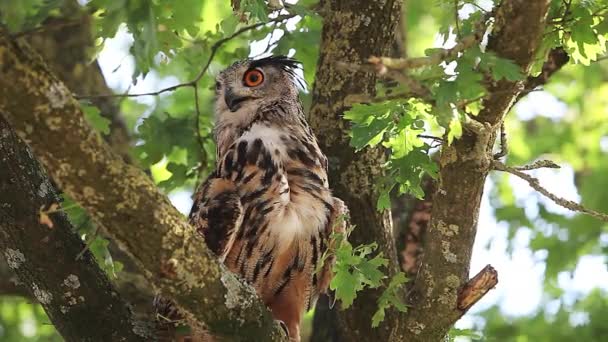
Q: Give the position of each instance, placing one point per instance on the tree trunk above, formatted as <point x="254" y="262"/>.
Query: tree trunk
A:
<point x="353" y="31"/>
<point x="464" y="166"/>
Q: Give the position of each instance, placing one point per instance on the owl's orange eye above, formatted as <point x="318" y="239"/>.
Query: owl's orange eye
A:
<point x="253" y="78"/>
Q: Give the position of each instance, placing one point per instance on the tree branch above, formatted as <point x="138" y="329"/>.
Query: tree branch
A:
<point x="516" y="35"/>
<point x="76" y="295"/>
<point x="556" y="59"/>
<point x="65" y="50"/>
<point x="535" y="184"/>
<point x="124" y="201"/>
<point x="193" y="82"/>
<point x="383" y="64"/>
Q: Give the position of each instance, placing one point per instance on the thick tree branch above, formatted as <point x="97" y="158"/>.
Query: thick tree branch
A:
<point x="65" y="47"/>
<point x="124" y="201"/>
<point x="64" y="43"/>
<point x="516" y="35"/>
<point x="76" y="295"/>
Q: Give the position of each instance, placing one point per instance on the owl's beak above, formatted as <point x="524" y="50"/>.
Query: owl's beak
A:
<point x="233" y="101"/>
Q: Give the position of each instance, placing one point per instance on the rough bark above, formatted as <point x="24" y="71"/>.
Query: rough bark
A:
<point x="124" y="201"/>
<point x="464" y="166"/>
<point x="353" y="31"/>
<point x="66" y="46"/>
<point x="9" y="283"/>
<point x="76" y="295"/>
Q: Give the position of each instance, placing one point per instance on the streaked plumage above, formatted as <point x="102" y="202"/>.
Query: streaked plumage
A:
<point x="267" y="210"/>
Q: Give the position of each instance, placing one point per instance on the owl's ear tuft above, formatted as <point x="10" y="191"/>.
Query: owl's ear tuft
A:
<point x="287" y="64"/>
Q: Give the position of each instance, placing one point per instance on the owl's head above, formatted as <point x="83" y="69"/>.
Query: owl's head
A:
<point x="248" y="83"/>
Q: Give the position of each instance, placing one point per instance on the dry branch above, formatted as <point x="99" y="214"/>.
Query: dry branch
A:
<point x="535" y="184"/>
<point x="383" y="64"/>
<point x="123" y="200"/>
<point x="477" y="287"/>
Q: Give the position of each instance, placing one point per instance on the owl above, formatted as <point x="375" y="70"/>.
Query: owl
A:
<point x="267" y="210"/>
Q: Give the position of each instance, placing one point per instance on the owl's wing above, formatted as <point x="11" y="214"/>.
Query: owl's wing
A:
<point x="338" y="223"/>
<point x="248" y="172"/>
<point x="217" y="213"/>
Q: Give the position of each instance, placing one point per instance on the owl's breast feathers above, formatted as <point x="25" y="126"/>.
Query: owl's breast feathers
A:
<point x="268" y="213"/>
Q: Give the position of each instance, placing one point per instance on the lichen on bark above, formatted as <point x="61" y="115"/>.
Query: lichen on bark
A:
<point x="119" y="197"/>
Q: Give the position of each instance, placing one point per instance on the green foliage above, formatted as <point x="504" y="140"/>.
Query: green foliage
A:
<point x="580" y="26"/>
<point x="26" y="14"/>
<point x="88" y="231"/>
<point x="589" y="313"/>
<point x="94" y="118"/>
<point x="358" y="268"/>
<point x="353" y="272"/>
<point x="455" y="332"/>
<point x="397" y="125"/>
<point x="392" y="296"/>
<point x="157" y="26"/>
<point x="256" y="9"/>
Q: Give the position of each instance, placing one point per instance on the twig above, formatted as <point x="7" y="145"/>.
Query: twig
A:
<point x="599" y="59"/>
<point x="201" y="73"/>
<point x="424" y="136"/>
<point x="199" y="137"/>
<point x="539" y="164"/>
<point x="534" y="183"/>
<point x="415" y="88"/>
<point x="456" y="18"/>
<point x="383" y="64"/>
<point x="477" y="287"/>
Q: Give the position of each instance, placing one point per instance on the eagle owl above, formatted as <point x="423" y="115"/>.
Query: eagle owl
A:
<point x="267" y="210"/>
